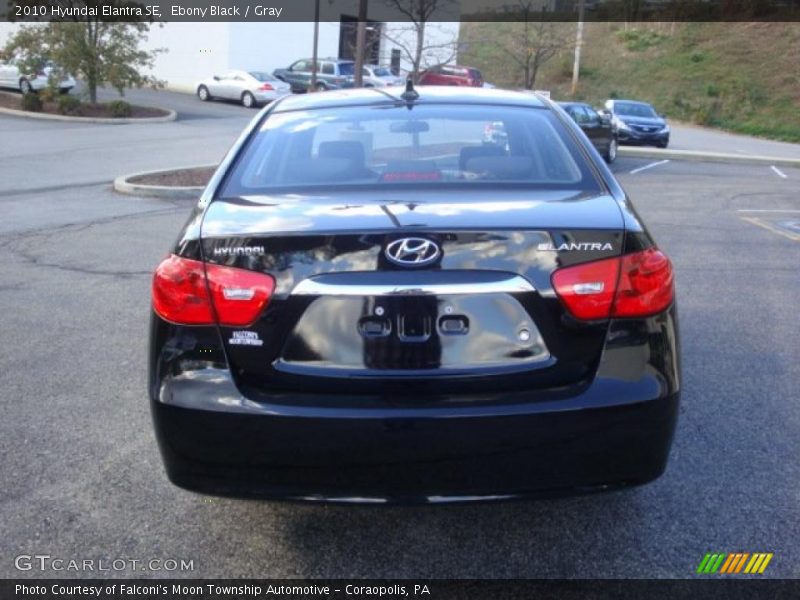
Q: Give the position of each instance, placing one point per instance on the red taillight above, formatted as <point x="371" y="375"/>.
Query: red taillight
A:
<point x="180" y="294"/>
<point x="394" y="176"/>
<point x="266" y="87"/>
<point x="646" y="285"/>
<point x="237" y="296"/>
<point x="587" y="290"/>
<point x="634" y="285"/>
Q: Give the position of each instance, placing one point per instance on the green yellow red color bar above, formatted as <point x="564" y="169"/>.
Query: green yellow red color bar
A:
<point x="734" y="562"/>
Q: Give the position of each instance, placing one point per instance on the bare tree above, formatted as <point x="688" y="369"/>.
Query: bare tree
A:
<point x="532" y="41"/>
<point x="412" y="39"/>
<point x="361" y="35"/>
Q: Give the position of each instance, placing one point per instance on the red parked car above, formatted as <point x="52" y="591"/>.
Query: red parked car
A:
<point x="451" y="75"/>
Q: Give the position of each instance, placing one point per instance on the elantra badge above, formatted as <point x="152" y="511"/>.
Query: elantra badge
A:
<point x="413" y="252"/>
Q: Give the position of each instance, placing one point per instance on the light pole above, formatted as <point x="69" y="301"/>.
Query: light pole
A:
<point x="361" y="34"/>
<point x="576" y="67"/>
<point x="314" y="52"/>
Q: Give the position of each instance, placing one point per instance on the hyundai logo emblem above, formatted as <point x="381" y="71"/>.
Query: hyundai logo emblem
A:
<point x="413" y="252"/>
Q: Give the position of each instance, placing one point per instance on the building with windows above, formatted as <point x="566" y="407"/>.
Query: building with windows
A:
<point x="196" y="50"/>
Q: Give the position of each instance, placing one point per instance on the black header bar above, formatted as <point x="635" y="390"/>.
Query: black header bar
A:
<point x="399" y="10"/>
<point x="405" y="589"/>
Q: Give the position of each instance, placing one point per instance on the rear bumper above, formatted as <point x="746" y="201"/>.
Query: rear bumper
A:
<point x="265" y="97"/>
<point x="215" y="441"/>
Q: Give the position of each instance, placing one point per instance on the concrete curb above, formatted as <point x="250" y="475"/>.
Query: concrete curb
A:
<point x="697" y="156"/>
<point x="108" y="121"/>
<point x="123" y="185"/>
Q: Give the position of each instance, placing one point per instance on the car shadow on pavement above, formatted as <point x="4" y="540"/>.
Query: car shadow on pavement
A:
<point x="530" y="538"/>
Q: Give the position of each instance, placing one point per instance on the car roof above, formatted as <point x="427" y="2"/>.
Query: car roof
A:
<point x="632" y="102"/>
<point x="428" y="94"/>
<point x="326" y="59"/>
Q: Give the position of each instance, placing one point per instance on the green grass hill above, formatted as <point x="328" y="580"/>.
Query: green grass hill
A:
<point x="743" y="77"/>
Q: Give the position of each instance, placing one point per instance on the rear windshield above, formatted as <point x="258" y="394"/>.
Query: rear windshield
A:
<point x="347" y="68"/>
<point x="630" y="109"/>
<point x="429" y="145"/>
<point x="261" y="76"/>
<point x="381" y="72"/>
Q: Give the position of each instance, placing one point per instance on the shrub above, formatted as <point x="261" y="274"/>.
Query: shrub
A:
<point x="119" y="109"/>
<point x="47" y="94"/>
<point x="69" y="105"/>
<point x="637" y="40"/>
<point x="708" y="113"/>
<point x="32" y="102"/>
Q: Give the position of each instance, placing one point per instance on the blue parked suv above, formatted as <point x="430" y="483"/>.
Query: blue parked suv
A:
<point x="332" y="74"/>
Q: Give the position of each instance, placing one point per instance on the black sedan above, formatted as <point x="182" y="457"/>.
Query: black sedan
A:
<point x="638" y="123"/>
<point x="371" y="304"/>
<point x="598" y="128"/>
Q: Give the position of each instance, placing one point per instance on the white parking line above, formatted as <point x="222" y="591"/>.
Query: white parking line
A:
<point x="650" y="166"/>
<point x="779" y="172"/>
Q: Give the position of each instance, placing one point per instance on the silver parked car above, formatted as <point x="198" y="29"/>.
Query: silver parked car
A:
<point x="251" y="88"/>
<point x="376" y="76"/>
<point x="10" y="77"/>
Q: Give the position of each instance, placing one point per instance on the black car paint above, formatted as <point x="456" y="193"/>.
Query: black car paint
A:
<point x="228" y="424"/>
<point x="600" y="131"/>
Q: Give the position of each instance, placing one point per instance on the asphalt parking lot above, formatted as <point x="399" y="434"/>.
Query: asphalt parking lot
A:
<point x="81" y="477"/>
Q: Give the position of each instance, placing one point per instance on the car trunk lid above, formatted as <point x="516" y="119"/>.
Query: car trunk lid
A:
<point x="482" y="315"/>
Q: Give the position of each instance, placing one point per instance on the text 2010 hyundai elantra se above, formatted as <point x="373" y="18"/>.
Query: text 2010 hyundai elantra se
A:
<point x="371" y="303"/>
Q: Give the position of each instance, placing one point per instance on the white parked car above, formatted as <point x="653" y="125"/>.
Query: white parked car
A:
<point x="10" y="77"/>
<point x="375" y="76"/>
<point x="251" y="88"/>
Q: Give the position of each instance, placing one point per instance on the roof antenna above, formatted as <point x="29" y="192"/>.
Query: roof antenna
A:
<point x="410" y="95"/>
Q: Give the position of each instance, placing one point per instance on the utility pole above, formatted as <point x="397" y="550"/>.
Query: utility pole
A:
<point x="576" y="66"/>
<point x="314" y="52"/>
<point x="361" y="35"/>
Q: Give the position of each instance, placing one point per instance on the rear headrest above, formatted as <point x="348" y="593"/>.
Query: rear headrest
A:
<point x="502" y="167"/>
<point x="313" y="170"/>
<point x="471" y="152"/>
<point x="343" y="149"/>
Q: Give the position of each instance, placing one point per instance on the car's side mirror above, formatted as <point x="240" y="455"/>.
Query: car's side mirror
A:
<point x="216" y="77"/>
<point x="663" y="115"/>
